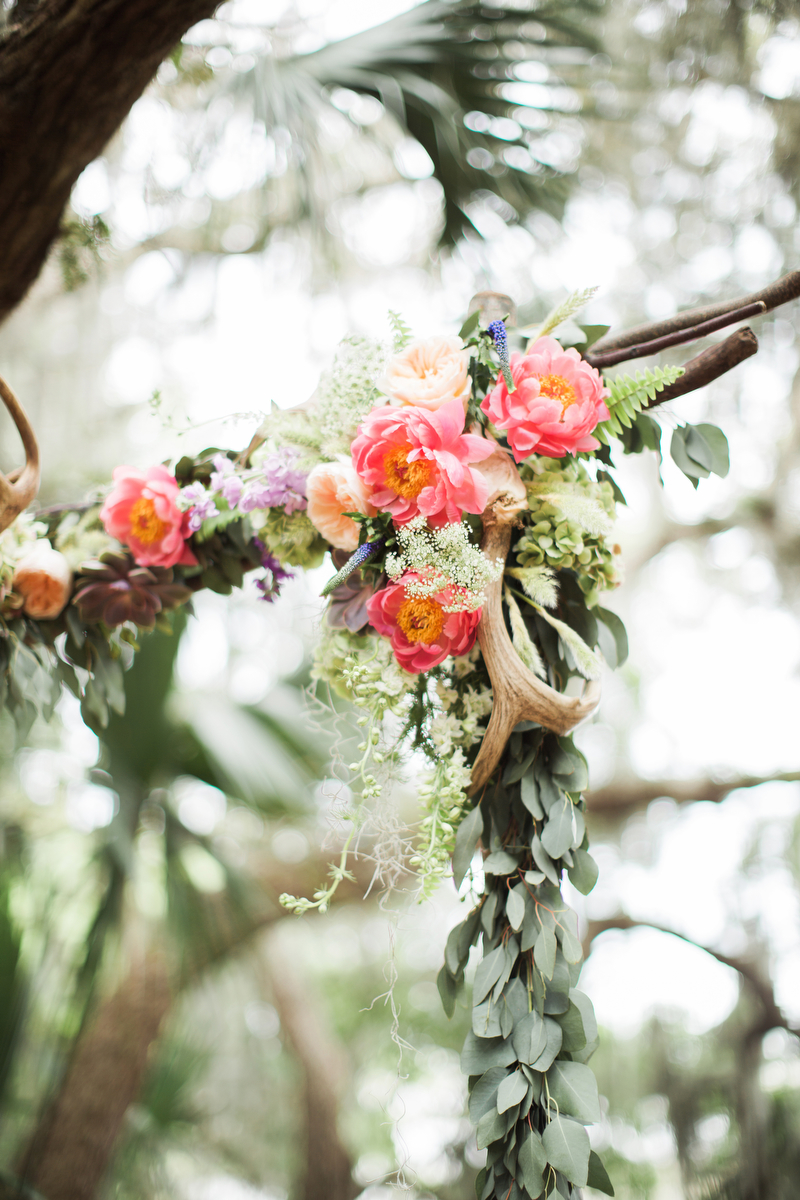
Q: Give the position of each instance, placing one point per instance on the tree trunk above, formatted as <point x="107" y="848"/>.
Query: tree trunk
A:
<point x="70" y="70"/>
<point x="73" y="1147"/>
<point x="328" y="1169"/>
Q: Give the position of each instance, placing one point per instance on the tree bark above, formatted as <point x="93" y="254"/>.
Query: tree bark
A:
<point x="70" y="1156"/>
<point x="627" y="796"/>
<point x="328" y="1168"/>
<point x="70" y="70"/>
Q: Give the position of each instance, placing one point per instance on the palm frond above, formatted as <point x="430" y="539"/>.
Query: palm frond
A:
<point x="456" y="77"/>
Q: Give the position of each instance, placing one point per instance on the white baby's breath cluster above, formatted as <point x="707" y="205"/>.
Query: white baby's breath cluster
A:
<point x="444" y="559"/>
<point x="443" y="792"/>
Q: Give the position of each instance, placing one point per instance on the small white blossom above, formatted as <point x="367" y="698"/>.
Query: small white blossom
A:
<point x="444" y="559"/>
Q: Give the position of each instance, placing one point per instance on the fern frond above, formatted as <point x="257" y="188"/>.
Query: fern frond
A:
<point x="630" y="395"/>
<point x="402" y="334"/>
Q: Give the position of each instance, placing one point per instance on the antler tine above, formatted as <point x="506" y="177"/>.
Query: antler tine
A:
<point x="20" y="487"/>
<point x="517" y="693"/>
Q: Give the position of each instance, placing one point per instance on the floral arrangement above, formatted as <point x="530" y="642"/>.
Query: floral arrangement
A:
<point x="466" y="497"/>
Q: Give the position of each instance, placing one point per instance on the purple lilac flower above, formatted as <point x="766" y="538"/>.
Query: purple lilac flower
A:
<point x="231" y="490"/>
<point x="270" y="585"/>
<point x="202" y="505"/>
<point x="279" y="484"/>
<point x="223" y="467"/>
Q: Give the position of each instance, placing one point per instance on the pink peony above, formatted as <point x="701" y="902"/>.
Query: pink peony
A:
<point x="333" y="489"/>
<point x="142" y="512"/>
<point x="421" y="632"/>
<point x="428" y="373"/>
<point x="558" y="402"/>
<point x="418" y="462"/>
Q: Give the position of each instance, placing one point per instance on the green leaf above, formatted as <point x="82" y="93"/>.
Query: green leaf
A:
<point x="470" y="325"/>
<point x="500" y="863"/>
<point x="486" y="1019"/>
<point x="573" y="1033"/>
<point x="512" y="1090"/>
<point x="491" y="1128"/>
<point x="553" y="1045"/>
<point x="531" y="1163"/>
<point x="716" y="444"/>
<point x="489" y="971"/>
<point x="586" y="1008"/>
<point x="574" y="1089"/>
<point x="567" y="1148"/>
<point x="530" y="1038"/>
<point x="483" y="1096"/>
<point x="583" y="872"/>
<point x="598" y="1176"/>
<point x="617" y="630"/>
<point x="515" y="909"/>
<point x="629" y="395"/>
<point x="479" y="1054"/>
<point x="530" y="797"/>
<point x="448" y="991"/>
<point x="544" y="953"/>
<point x="569" y="767"/>
<point x="594" y="333"/>
<point x="560" y="832"/>
<point x="467" y="837"/>
<point x="543" y="860"/>
<point x="691" y="469"/>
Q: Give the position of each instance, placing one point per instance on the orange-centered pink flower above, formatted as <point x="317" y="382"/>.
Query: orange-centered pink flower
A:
<point x="559" y="399"/>
<point x="418" y="461"/>
<point x="421" y="631"/>
<point x="142" y="512"/>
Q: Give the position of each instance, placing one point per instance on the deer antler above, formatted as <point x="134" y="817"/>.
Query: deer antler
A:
<point x="19" y="487"/>
<point x="517" y="693"/>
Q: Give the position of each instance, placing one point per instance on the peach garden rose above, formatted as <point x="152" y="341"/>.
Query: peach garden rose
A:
<point x="429" y="373"/>
<point x="142" y="512"/>
<point x="333" y="489"/>
<point x="559" y="399"/>
<point x="44" y="580"/>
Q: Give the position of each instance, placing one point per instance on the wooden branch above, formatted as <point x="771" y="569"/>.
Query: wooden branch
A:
<point x="70" y="70"/>
<point x="781" y="292"/>
<point x="620" y="799"/>
<point x="759" y="987"/>
<point x="693" y="334"/>
<point x="708" y="366"/>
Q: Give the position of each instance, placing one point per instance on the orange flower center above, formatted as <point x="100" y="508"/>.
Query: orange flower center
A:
<point x="405" y="478"/>
<point x="556" y="387"/>
<point x="146" y="526"/>
<point x="421" y="619"/>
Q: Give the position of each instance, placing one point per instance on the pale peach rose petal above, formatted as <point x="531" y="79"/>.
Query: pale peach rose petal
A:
<point x="428" y="373"/>
<point x="44" y="580"/>
<point x="334" y="489"/>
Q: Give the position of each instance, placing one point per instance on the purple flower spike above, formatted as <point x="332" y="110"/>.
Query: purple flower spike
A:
<point x="360" y="555"/>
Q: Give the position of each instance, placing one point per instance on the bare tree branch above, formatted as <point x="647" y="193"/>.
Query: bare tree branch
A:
<point x="693" y="334"/>
<point x="781" y="292"/>
<point x="760" y="988"/>
<point x="631" y="795"/>
<point x="70" y="70"/>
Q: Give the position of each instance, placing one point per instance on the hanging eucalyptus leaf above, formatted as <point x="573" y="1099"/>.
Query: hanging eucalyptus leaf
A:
<point x="566" y="1145"/>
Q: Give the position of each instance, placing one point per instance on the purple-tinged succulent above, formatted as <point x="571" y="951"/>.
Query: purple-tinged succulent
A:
<point x="113" y="589"/>
<point x="348" y="601"/>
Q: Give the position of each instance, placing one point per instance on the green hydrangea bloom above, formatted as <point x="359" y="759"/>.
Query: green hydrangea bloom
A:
<point x="569" y="524"/>
<point x="293" y="539"/>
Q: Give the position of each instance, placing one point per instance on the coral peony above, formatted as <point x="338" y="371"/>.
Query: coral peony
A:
<point x="428" y="373"/>
<point x="418" y="462"/>
<point x="422" y="633"/>
<point x="558" y="402"/>
<point x="142" y="512"/>
<point x="333" y="489"/>
<point x="43" y="579"/>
